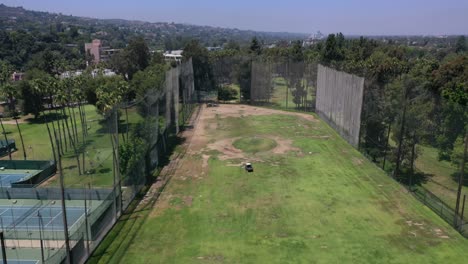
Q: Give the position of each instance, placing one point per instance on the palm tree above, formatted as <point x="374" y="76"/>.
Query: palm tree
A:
<point x="62" y="96"/>
<point x="42" y="87"/>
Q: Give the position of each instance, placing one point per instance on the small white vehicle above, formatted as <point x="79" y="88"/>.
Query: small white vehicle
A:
<point x="249" y="167"/>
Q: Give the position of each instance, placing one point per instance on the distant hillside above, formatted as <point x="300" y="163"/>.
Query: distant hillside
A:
<point x="160" y="35"/>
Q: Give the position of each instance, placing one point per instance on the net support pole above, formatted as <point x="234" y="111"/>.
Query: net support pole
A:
<point x="2" y="239"/>
<point x="461" y="179"/>
<point x="64" y="212"/>
<point x="463" y="210"/>
<point x="86" y="219"/>
<point x="41" y="229"/>
<point x="117" y="161"/>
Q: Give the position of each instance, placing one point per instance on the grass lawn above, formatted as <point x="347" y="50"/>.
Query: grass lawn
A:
<point x="279" y="94"/>
<point x="440" y="174"/>
<point x="312" y="199"/>
<point x="97" y="148"/>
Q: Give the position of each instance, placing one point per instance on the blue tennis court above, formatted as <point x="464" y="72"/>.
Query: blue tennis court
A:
<point x="45" y="217"/>
<point x="15" y="261"/>
<point x="6" y="179"/>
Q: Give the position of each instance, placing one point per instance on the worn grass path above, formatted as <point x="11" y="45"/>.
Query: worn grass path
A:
<point x="320" y="202"/>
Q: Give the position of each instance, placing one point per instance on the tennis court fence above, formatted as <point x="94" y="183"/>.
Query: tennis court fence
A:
<point x="103" y="162"/>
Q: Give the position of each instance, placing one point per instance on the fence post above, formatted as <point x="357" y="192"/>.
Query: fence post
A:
<point x="463" y="211"/>
<point x="442" y="210"/>
<point x="2" y="239"/>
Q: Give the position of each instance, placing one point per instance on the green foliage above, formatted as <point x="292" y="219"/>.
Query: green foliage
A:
<point x="451" y="79"/>
<point x="110" y="92"/>
<point x="460" y="46"/>
<point x="135" y="57"/>
<point x="227" y="93"/>
<point x="457" y="153"/>
<point x="131" y="155"/>
<point x="255" y="47"/>
<point x="152" y="77"/>
<point x="332" y="51"/>
<point x="244" y="78"/>
<point x="202" y="68"/>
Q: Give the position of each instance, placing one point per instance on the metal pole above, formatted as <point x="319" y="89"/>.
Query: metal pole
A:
<point x="463" y="210"/>
<point x="3" y="248"/>
<point x="86" y="220"/>
<point x="460" y="179"/>
<point x="117" y="161"/>
<point x="40" y="236"/>
<point x="64" y="213"/>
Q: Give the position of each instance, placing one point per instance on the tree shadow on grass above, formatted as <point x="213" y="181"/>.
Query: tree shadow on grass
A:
<point x="417" y="178"/>
<point x="456" y="175"/>
<point x="45" y="118"/>
<point x="107" y="127"/>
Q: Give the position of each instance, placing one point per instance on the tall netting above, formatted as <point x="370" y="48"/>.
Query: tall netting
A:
<point x="339" y="102"/>
<point x="287" y="85"/>
<point x="418" y="138"/>
<point x="94" y="159"/>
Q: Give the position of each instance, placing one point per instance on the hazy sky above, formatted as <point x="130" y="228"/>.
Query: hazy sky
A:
<point x="363" y="17"/>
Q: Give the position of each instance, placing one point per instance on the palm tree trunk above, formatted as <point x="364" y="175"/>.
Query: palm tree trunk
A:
<point x="72" y="121"/>
<point x="386" y="146"/>
<point x="6" y="139"/>
<point x="70" y="136"/>
<point x="55" y="133"/>
<point x="21" y="137"/>
<point x="76" y="125"/>
<point x="413" y="153"/>
<point x="50" y="137"/>
<point x="83" y="126"/>
<point x="126" y="120"/>
<point x="61" y="133"/>
<point x="65" y="124"/>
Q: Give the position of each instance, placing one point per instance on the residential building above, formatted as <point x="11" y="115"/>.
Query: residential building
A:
<point x="98" y="51"/>
<point x="174" y="55"/>
<point x="17" y="76"/>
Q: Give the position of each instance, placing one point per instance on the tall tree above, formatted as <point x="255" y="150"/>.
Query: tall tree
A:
<point x="460" y="46"/>
<point x="255" y="47"/>
<point x="202" y="69"/>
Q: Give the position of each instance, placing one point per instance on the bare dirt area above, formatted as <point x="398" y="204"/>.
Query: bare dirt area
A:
<point x="228" y="151"/>
<point x="231" y="110"/>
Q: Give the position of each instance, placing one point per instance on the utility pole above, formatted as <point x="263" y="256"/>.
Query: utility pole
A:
<point x="2" y="239"/>
<point x="460" y="181"/>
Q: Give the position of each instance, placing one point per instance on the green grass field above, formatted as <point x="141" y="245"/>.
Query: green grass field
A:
<point x="440" y="175"/>
<point x="319" y="202"/>
<point x="97" y="148"/>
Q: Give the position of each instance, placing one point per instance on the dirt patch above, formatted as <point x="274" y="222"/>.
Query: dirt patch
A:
<point x="247" y="110"/>
<point x="229" y="152"/>
<point x="283" y="146"/>
<point x="357" y="161"/>
<point x="188" y="200"/>
<point x="205" y="162"/>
